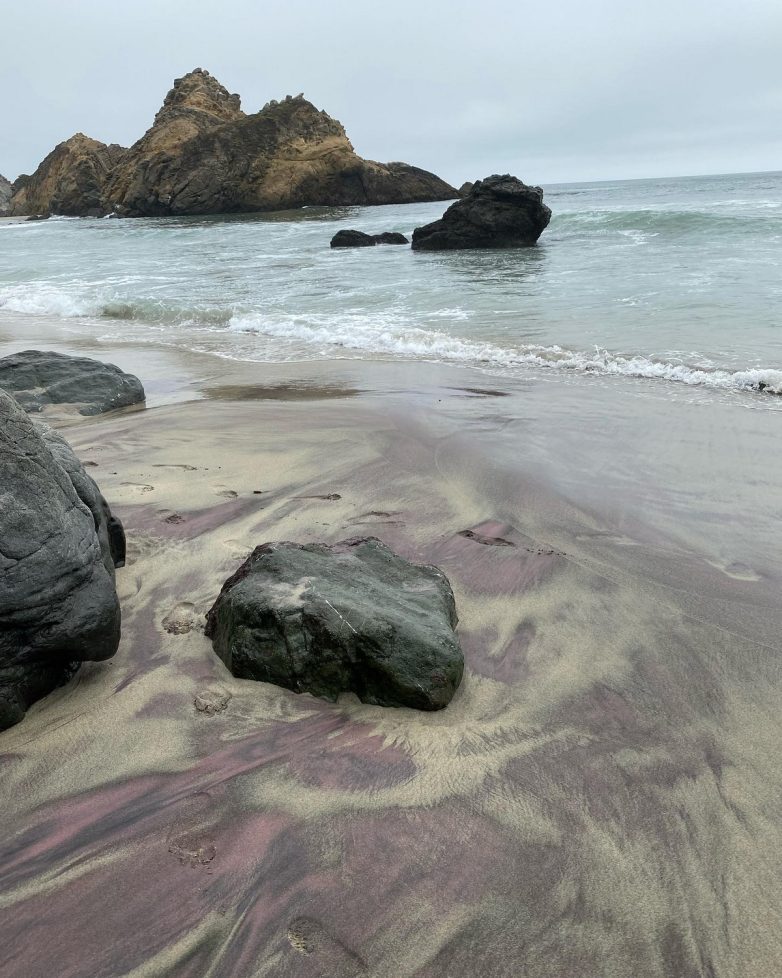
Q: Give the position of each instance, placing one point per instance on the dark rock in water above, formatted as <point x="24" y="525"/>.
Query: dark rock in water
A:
<point x="348" y="238"/>
<point x="466" y="188"/>
<point x="58" y="603"/>
<point x="499" y="212"/>
<point x="39" y="217"/>
<point x="40" y="377"/>
<point x="6" y="191"/>
<point x="352" y="616"/>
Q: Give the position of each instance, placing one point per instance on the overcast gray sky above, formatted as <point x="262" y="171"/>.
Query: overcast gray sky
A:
<point x="561" y="90"/>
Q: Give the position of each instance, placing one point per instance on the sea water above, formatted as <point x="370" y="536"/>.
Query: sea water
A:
<point x="641" y="339"/>
<point x="670" y="281"/>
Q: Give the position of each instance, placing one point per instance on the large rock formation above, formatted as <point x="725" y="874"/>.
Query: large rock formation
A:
<point x="71" y="180"/>
<point x="353" y="616"/>
<point x="498" y="212"/>
<point x="350" y="238"/>
<point x="203" y="155"/>
<point x="58" y="547"/>
<point x="6" y="191"/>
<point x="40" y="377"/>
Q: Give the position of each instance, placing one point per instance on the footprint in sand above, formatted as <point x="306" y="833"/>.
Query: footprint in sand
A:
<point x="173" y="518"/>
<point x="486" y="541"/>
<point x="174" y="465"/>
<point x="193" y="850"/>
<point x="138" y="486"/>
<point x="225" y="493"/>
<point x="376" y="517"/>
<point x="181" y="620"/>
<point x="736" y="570"/>
<point x="239" y="550"/>
<point x="331" y="497"/>
<point x="334" y="960"/>
<point x="211" y="701"/>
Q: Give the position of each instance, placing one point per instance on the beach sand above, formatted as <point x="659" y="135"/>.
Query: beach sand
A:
<point x="602" y="797"/>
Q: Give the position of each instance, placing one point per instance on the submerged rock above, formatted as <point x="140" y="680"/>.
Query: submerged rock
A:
<point x="348" y="238"/>
<point x="40" y="377"/>
<point x="328" y="619"/>
<point x="58" y="602"/>
<point x="498" y="212"/>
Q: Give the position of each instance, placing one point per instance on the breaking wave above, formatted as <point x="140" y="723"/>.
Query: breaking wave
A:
<point x="354" y="333"/>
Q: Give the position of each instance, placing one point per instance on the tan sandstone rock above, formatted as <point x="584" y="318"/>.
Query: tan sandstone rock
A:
<point x="203" y="155"/>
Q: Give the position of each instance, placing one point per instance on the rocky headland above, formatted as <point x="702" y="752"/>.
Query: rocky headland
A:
<point x="204" y="155"/>
<point x="6" y="192"/>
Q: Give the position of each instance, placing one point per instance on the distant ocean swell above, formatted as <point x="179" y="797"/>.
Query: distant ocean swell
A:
<point x="759" y="219"/>
<point x="384" y="335"/>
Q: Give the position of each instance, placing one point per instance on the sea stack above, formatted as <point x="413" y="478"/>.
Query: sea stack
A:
<point x="204" y="155"/>
<point x="498" y="212"/>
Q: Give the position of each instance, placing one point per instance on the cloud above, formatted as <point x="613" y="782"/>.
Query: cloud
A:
<point x="561" y="91"/>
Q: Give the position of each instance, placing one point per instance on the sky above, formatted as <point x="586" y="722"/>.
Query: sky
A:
<point x="560" y="91"/>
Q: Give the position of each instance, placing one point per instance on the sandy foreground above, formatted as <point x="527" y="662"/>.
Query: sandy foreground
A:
<point x="602" y="797"/>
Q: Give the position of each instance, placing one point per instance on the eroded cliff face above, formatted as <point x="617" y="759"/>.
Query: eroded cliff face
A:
<point x="71" y="180"/>
<point x="203" y="155"/>
<point x="6" y="191"/>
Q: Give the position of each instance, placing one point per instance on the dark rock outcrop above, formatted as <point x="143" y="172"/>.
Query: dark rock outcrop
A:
<point x="58" y="602"/>
<point x="499" y="212"/>
<point x="327" y="619"/>
<point x="71" y="180"/>
<point x="6" y="191"/>
<point x="203" y="155"/>
<point x="466" y="188"/>
<point x="348" y="238"/>
<point x="40" y="377"/>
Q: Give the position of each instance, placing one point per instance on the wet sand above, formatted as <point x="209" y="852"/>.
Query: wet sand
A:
<point x="602" y="797"/>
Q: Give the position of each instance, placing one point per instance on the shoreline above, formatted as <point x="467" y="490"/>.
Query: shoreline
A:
<point x="600" y="788"/>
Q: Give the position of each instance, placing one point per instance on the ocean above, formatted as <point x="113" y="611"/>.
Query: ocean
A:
<point x="675" y="282"/>
<point x="641" y="339"/>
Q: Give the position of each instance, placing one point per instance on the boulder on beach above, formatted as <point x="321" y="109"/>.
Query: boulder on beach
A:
<point x="37" y="378"/>
<point x="329" y="619"/>
<point x="58" y="602"/>
<point x="499" y="212"/>
<point x="348" y="238"/>
<point x="6" y="191"/>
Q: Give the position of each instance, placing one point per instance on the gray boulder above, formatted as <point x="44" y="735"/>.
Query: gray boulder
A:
<point x="58" y="602"/>
<point x="348" y="238"/>
<point x="40" y="377"/>
<point x="498" y="212"/>
<point x="352" y="616"/>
